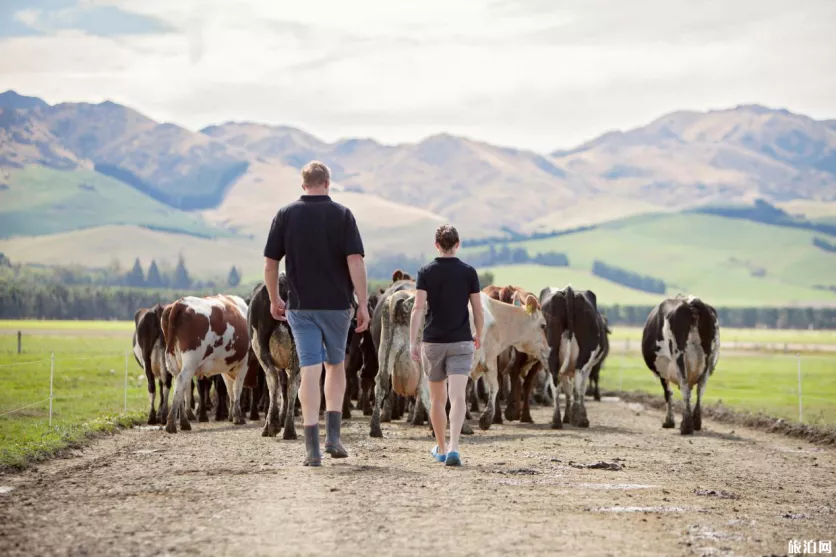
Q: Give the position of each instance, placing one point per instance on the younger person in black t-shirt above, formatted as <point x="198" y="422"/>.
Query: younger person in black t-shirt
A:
<point x="445" y="287"/>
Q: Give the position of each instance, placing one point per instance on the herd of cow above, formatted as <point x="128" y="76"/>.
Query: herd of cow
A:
<point x="532" y="347"/>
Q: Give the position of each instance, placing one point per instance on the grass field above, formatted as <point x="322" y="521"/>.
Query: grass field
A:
<point x="757" y="336"/>
<point x="758" y="383"/>
<point x="708" y="256"/>
<point x="35" y="325"/>
<point x="45" y="201"/>
<point x="88" y="392"/>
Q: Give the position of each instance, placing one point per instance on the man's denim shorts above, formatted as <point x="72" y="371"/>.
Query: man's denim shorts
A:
<point x="320" y="335"/>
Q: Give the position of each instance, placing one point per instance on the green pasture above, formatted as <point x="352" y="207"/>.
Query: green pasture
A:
<point x="765" y="383"/>
<point x="41" y="200"/>
<point x="88" y="392"/>
<point x="728" y="262"/>
<point x="11" y="325"/>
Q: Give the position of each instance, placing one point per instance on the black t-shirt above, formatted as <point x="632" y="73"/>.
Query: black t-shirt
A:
<point x="316" y="235"/>
<point x="449" y="282"/>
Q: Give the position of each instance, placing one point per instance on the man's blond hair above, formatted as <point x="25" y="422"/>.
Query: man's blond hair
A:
<point x="315" y="174"/>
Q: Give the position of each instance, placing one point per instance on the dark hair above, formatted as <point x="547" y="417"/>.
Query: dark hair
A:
<point x="446" y="236"/>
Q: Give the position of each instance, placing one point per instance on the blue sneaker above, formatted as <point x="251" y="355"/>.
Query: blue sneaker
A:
<point x="453" y="459"/>
<point x="438" y="457"/>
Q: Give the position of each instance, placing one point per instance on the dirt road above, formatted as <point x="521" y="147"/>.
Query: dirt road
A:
<point x="224" y="490"/>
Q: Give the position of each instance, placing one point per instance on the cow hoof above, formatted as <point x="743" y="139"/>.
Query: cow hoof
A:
<point x="185" y="426"/>
<point x="375" y="431"/>
<point x="686" y="427"/>
<point x="289" y="434"/>
<point x="152" y="418"/>
<point x="346" y="414"/>
<point x="254" y="416"/>
<point x="171" y="427"/>
<point x="484" y="422"/>
<point x="567" y="419"/>
<point x="697" y="421"/>
<point x="583" y="422"/>
<point x="203" y="418"/>
<point x="240" y="421"/>
<point x="557" y="424"/>
<point x="270" y="430"/>
<point x="526" y="419"/>
<point x="190" y="415"/>
<point x="467" y="429"/>
<point x="597" y="397"/>
<point x="367" y="411"/>
<point x="669" y="424"/>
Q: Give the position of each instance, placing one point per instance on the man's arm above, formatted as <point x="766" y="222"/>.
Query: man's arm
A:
<point x="271" y="278"/>
<point x="357" y="270"/>
<point x="274" y="251"/>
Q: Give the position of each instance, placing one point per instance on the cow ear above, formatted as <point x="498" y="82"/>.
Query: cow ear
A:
<point x="158" y="309"/>
<point x="530" y="305"/>
<point x="516" y="299"/>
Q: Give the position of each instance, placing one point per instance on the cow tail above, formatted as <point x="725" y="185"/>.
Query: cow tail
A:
<point x="570" y="312"/>
<point x="695" y="306"/>
<point x="171" y="314"/>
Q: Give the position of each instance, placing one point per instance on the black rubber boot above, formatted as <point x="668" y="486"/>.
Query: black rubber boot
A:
<point x="332" y="435"/>
<point x="313" y="458"/>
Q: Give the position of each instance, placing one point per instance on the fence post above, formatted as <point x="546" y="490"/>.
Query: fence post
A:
<point x="126" y="381"/>
<point x="51" y="381"/>
<point x="800" y="409"/>
<point x="19" y="335"/>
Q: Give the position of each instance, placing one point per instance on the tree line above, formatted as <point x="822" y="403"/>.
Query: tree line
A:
<point x="505" y="255"/>
<point x="821" y="243"/>
<point x="628" y="278"/>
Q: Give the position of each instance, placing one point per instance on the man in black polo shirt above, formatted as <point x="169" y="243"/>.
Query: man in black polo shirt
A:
<point x="325" y="267"/>
<point x="445" y="287"/>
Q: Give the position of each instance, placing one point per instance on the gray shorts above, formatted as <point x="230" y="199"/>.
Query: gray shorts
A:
<point x="441" y="360"/>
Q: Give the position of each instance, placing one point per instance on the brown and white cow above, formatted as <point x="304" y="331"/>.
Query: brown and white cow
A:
<point x="273" y="345"/>
<point x="206" y="337"/>
<point x="681" y="344"/>
<point x="149" y="351"/>
<point x="575" y="331"/>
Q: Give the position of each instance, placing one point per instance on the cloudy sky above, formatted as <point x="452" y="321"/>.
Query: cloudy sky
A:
<point x="541" y="74"/>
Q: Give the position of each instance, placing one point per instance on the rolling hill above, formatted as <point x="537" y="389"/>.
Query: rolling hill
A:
<point x="728" y="261"/>
<point x="89" y="183"/>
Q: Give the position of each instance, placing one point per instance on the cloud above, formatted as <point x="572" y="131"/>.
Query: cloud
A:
<point x="536" y="74"/>
<point x="46" y="17"/>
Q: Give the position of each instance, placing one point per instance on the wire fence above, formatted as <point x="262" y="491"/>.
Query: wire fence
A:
<point x="77" y="388"/>
<point x="782" y="384"/>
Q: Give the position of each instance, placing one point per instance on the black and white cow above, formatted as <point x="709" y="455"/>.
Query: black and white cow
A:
<point x="149" y="351"/>
<point x="576" y="334"/>
<point x="681" y="344"/>
<point x="273" y="345"/>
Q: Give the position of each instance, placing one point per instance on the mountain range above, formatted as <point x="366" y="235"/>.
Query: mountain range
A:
<point x="157" y="189"/>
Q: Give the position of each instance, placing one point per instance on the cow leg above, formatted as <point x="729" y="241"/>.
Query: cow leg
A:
<point x="177" y="410"/>
<point x="388" y="407"/>
<point x="234" y="388"/>
<point x="165" y="388"/>
<point x="528" y="384"/>
<point x="363" y="401"/>
<point x="687" y="425"/>
<point x="272" y="422"/>
<point x="579" y="418"/>
<point x="381" y="393"/>
<point x="698" y="408"/>
<point x="512" y="406"/>
<point x="224" y="400"/>
<point x="669" y="421"/>
<point x="557" y="421"/>
<point x="492" y="380"/>
<point x="204" y="384"/>
<point x="255" y="395"/>
<point x="190" y="400"/>
<point x="419" y="412"/>
<point x="293" y="378"/>
<point x="347" y="401"/>
<point x="152" y="395"/>
<point x="566" y="388"/>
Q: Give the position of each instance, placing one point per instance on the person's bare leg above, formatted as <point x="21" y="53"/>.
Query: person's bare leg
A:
<point x="334" y="387"/>
<point x="458" y="408"/>
<point x="309" y="395"/>
<point x="438" y="414"/>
